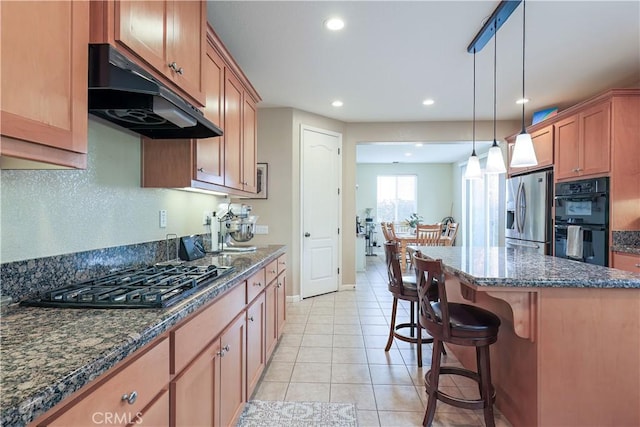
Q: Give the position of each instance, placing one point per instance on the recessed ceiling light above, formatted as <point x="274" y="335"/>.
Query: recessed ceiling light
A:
<point x="334" y="24"/>
<point x="522" y="101"/>
<point x="428" y="102"/>
<point x="419" y="144"/>
<point x="337" y="103"/>
<point x="408" y="154"/>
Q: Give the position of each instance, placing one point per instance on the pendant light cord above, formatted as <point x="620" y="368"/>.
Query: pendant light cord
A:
<point x="524" y="14"/>
<point x="495" y="61"/>
<point x="474" y="103"/>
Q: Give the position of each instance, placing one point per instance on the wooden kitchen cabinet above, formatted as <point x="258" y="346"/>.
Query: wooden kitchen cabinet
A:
<point x="626" y="261"/>
<point x="225" y="164"/>
<point x="256" y="351"/>
<point x="582" y="143"/>
<point x="210" y="391"/>
<point x="44" y="71"/>
<point x="232" y="372"/>
<point x="543" y="146"/>
<point x="105" y="403"/>
<point x="276" y="302"/>
<point x="193" y="163"/>
<point x="209" y="156"/>
<point x="169" y="36"/>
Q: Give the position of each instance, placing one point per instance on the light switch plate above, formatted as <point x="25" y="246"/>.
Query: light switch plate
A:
<point x="163" y="218"/>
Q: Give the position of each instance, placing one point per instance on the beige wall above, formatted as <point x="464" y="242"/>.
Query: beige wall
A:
<point x="53" y="212"/>
<point x="279" y="145"/>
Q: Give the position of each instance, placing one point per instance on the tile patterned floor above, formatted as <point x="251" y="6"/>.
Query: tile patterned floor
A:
<point x="332" y="350"/>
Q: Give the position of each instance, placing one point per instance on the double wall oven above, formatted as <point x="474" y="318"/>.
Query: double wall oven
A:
<point x="582" y="220"/>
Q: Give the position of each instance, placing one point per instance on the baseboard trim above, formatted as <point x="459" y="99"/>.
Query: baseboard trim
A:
<point x="342" y="288"/>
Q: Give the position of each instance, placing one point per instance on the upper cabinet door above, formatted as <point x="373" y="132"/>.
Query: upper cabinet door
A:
<point x="249" y="145"/>
<point x="44" y="81"/>
<point x="169" y="36"/>
<point x="596" y="139"/>
<point x="141" y="26"/>
<point x="567" y="144"/>
<point x="186" y="44"/>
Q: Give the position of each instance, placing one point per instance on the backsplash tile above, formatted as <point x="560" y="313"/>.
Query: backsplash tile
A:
<point x="626" y="239"/>
<point x="30" y="278"/>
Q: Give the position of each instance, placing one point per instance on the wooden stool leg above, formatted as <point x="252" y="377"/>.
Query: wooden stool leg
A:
<point x="412" y="316"/>
<point x="484" y="369"/>
<point x="419" y="336"/>
<point x="434" y="377"/>
<point x="393" y="324"/>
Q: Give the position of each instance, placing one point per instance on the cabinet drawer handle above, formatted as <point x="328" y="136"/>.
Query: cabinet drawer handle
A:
<point x="278" y="285"/>
<point x="638" y="265"/>
<point x="272" y="271"/>
<point x="173" y="65"/>
<point x="251" y="318"/>
<point x="257" y="284"/>
<point x="131" y="397"/>
<point x="226" y="348"/>
<point x="180" y="71"/>
<point x="200" y="169"/>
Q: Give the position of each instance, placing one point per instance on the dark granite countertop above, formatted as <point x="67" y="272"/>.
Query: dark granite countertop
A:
<point x="48" y="353"/>
<point x="521" y="267"/>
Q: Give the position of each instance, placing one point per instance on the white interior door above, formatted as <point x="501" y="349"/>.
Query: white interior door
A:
<point x="321" y="210"/>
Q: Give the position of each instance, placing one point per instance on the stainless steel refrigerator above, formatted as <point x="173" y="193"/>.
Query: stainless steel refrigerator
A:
<point x="528" y="221"/>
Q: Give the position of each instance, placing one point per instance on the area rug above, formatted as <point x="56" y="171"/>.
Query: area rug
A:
<point x="264" y="413"/>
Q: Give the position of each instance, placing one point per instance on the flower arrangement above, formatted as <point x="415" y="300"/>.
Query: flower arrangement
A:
<point x="414" y="220"/>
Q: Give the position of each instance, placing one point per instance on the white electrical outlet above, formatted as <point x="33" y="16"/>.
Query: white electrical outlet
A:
<point x="262" y="229"/>
<point x="163" y="218"/>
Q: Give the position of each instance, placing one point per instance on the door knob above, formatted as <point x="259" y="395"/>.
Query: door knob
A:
<point x="307" y="235"/>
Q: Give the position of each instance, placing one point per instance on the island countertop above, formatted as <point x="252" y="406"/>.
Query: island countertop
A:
<point x="49" y="353"/>
<point x="569" y="330"/>
<point x="521" y="267"/>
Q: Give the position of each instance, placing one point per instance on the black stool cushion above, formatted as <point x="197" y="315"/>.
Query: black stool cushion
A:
<point x="469" y="318"/>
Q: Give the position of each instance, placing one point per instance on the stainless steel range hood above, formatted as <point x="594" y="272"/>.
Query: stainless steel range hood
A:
<point x="125" y="94"/>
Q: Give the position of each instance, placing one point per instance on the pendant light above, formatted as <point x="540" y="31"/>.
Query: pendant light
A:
<point x="523" y="153"/>
<point x="473" y="164"/>
<point x="495" y="161"/>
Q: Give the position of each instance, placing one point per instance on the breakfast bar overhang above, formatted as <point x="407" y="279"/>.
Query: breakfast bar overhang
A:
<point x="568" y="351"/>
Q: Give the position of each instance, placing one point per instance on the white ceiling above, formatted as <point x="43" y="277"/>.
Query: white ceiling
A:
<point x="392" y="55"/>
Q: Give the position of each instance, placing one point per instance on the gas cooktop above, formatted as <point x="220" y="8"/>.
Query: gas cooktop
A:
<point x="139" y="287"/>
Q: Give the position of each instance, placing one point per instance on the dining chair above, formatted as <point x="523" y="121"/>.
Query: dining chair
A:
<point x="449" y="235"/>
<point x="385" y="231"/>
<point x="429" y="234"/>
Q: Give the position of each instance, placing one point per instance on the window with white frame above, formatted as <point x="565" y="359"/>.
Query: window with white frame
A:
<point x="396" y="197"/>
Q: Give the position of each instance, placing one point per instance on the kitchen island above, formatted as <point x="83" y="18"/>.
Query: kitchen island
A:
<point x="568" y="350"/>
<point x="48" y="354"/>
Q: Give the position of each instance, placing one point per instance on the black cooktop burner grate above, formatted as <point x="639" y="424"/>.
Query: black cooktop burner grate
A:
<point x="146" y="287"/>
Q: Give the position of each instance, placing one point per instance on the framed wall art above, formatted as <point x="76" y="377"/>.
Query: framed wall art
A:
<point x="262" y="181"/>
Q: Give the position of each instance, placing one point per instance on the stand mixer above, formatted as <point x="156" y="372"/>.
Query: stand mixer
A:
<point x="235" y="223"/>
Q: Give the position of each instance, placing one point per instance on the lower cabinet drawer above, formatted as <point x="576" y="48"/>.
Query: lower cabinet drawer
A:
<point x="120" y="399"/>
<point x="194" y="335"/>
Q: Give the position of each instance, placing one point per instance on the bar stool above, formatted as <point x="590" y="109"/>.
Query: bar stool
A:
<point x="459" y="324"/>
<point x="404" y="288"/>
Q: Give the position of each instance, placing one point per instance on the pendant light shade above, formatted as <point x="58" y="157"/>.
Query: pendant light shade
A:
<point x="473" y="164"/>
<point x="495" y="161"/>
<point x="523" y="153"/>
<point x="473" y="168"/>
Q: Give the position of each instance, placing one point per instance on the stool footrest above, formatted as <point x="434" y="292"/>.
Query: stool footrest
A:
<point x="426" y="338"/>
<point x="457" y="401"/>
